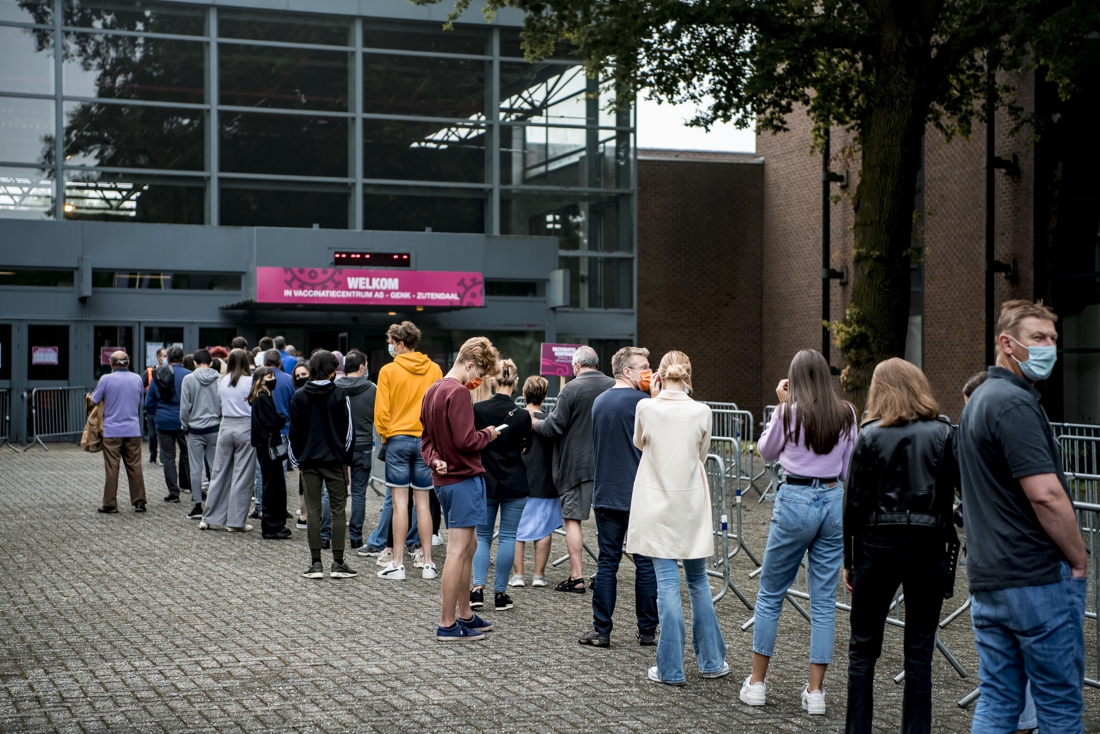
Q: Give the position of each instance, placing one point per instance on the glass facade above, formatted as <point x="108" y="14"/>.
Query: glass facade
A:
<point x="195" y="114"/>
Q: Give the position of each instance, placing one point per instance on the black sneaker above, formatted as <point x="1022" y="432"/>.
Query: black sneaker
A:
<point x="196" y="512"/>
<point x="503" y="601"/>
<point x="341" y="571"/>
<point x="110" y="510"/>
<point x="315" y="571"/>
<point x="301" y="523"/>
<point x="325" y="545"/>
<point x="646" y="640"/>
<point x="139" y="506"/>
<point x="595" y="639"/>
<point x="477" y="599"/>
<point x="172" y="498"/>
<point x="571" y="586"/>
<point x="288" y="516"/>
<point x="255" y="515"/>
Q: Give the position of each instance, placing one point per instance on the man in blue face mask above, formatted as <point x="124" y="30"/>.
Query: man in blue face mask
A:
<point x="1026" y="562"/>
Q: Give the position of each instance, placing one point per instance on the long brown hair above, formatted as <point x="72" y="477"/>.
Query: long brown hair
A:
<point x="822" y="416"/>
<point x="239" y="366"/>
<point x="900" y="392"/>
<point x="258" y="382"/>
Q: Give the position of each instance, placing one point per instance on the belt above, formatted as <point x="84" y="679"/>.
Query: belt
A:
<point x="807" y="481"/>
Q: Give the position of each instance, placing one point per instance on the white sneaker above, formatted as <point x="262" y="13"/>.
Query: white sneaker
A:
<point x="539" y="580"/>
<point x="436" y="540"/>
<point x="813" y="701"/>
<point x="242" y="529"/>
<point x="754" y="694"/>
<point x="427" y="571"/>
<point x="418" y="558"/>
<point x="395" y="573"/>
<point x="720" y="673"/>
<point x="517" y="580"/>
<point x="385" y="557"/>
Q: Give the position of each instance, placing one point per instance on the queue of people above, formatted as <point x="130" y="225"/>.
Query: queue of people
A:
<point x="876" y="496"/>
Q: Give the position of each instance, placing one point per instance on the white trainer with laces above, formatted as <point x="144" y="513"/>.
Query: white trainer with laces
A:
<point x="428" y="571"/>
<point x="517" y="580"/>
<point x="754" y="694"/>
<point x="392" y="572"/>
<point x="813" y="701"/>
<point x="385" y="557"/>
<point x="539" y="580"/>
<point x="436" y="540"/>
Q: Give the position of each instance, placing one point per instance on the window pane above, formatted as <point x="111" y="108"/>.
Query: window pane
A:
<point x="512" y="288"/>
<point x="432" y="87"/>
<point x="127" y="136"/>
<point x="51" y="360"/>
<point x="216" y="337"/>
<point x="26" y="130"/>
<point x="26" y="193"/>
<point x="27" y="11"/>
<point x="41" y="278"/>
<point x="287" y="27"/>
<point x="5" y="351"/>
<point x="263" y="207"/>
<point x="538" y="155"/>
<point x="132" y="197"/>
<point x="128" y="15"/>
<point x="425" y="37"/>
<point x="596" y="282"/>
<point x="581" y="222"/>
<point x="511" y="45"/>
<point x="258" y="76"/>
<point x="131" y="67"/>
<point x="166" y="281"/>
<point x="284" y="144"/>
<point x="424" y="151"/>
<point x="419" y="210"/>
<point x="109" y="339"/>
<point x="545" y="93"/>
<point x="26" y="61"/>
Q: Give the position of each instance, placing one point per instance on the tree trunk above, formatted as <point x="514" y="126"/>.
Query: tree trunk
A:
<point x="876" y="322"/>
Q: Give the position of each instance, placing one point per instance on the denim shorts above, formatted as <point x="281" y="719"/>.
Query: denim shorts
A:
<point x="405" y="465"/>
<point x="463" y="504"/>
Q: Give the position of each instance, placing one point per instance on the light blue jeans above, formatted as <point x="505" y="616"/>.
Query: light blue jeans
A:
<point x="377" y="539"/>
<point x="1031" y="634"/>
<point x="805" y="518"/>
<point x="706" y="635"/>
<point x="510" y="513"/>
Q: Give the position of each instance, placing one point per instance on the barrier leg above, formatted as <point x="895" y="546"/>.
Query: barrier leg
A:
<point x="565" y="558"/>
<point x="969" y="698"/>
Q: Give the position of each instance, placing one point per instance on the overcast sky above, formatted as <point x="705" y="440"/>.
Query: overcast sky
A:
<point x="662" y="126"/>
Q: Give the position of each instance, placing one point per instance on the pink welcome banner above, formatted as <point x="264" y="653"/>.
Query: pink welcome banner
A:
<point x="346" y="287"/>
<point x="557" y="359"/>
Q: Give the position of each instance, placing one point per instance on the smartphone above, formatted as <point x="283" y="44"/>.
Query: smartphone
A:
<point x="501" y="427"/>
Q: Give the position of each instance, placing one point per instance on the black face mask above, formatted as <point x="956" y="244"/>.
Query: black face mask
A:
<point x="269" y="384"/>
<point x="300" y="381"/>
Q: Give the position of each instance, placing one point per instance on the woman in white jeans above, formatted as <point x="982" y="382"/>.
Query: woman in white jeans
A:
<point x="234" y="472"/>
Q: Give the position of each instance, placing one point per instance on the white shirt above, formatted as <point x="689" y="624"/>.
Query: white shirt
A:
<point x="235" y="399"/>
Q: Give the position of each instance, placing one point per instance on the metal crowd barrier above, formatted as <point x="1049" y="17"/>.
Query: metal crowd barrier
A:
<point x="728" y="454"/>
<point x="720" y="512"/>
<point x="731" y="435"/>
<point x="5" y="420"/>
<point x="57" y="412"/>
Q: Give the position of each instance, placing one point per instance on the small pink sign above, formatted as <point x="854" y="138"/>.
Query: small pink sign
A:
<point x="557" y="359"/>
<point x="347" y="287"/>
<point x="105" y="354"/>
<point x="44" y="355"/>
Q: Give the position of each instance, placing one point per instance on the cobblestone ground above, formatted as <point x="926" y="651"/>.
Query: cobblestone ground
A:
<point x="143" y="623"/>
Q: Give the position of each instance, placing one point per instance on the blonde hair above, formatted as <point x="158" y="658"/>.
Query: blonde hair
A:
<point x="1013" y="312"/>
<point x="508" y="375"/>
<point x="900" y="392"/>
<point x="482" y="353"/>
<point x="675" y="366"/>
<point x="534" y="390"/>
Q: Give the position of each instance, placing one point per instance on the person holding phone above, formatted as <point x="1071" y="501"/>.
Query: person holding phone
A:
<point x="506" y="488"/>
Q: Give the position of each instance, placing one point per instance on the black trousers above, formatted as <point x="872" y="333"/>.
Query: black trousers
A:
<point x="916" y="562"/>
<point x="611" y="528"/>
<point x="273" y="517"/>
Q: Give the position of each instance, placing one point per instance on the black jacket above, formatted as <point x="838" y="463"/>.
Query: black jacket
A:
<point x="267" y="422"/>
<point x="537" y="459"/>
<point x="321" y="429"/>
<point x="505" y="473"/>
<point x="361" y="391"/>
<point x="902" y="476"/>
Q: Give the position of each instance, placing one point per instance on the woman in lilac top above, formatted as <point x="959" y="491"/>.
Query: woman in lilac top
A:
<point x="811" y="435"/>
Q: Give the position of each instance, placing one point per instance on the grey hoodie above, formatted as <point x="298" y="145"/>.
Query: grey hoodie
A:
<point x="200" y="405"/>
<point x="361" y="392"/>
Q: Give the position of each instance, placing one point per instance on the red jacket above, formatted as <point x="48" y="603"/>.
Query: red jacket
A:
<point x="449" y="435"/>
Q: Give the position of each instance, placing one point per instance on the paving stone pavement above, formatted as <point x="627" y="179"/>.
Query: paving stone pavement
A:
<point x="135" y="622"/>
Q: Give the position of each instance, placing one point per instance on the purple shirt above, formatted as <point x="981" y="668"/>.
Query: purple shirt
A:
<point x="799" y="459"/>
<point x="121" y="393"/>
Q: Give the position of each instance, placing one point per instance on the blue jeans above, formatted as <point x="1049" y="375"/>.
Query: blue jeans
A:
<point x="510" y="513"/>
<point x="377" y="539"/>
<point x="706" y="635"/>
<point x="611" y="530"/>
<point x="1036" y="634"/>
<point x="360" y="477"/>
<point x="805" y="518"/>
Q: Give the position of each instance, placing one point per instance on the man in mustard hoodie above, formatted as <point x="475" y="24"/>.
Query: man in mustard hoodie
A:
<point x="401" y="388"/>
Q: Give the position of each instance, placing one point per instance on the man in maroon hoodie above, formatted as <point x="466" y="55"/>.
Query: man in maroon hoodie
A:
<point x="452" y="449"/>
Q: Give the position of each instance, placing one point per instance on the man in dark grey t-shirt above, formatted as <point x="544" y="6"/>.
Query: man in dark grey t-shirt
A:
<point x="1026" y="561"/>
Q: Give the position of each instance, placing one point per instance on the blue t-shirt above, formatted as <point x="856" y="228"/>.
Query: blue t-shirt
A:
<point x="284" y="391"/>
<point x="613" y="451"/>
<point x="289" y="363"/>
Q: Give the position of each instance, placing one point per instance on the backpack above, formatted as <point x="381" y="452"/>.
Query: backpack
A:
<point x="165" y="378"/>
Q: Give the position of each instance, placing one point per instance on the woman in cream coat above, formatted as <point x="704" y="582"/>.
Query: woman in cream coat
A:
<point x="670" y="519"/>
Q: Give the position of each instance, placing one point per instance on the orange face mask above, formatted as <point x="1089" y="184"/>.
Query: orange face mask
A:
<point x="473" y="384"/>
<point x="644" y="380"/>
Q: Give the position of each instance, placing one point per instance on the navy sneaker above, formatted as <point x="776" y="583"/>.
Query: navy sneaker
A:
<point x="458" y="632"/>
<point x="476" y="624"/>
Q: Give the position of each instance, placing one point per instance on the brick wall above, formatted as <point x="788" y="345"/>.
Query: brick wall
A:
<point x="700" y="221"/>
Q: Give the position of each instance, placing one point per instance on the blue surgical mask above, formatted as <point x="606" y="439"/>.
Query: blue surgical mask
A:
<point x="392" y="353"/>
<point x="1040" y="362"/>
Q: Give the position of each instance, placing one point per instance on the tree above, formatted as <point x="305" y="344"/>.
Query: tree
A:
<point x="882" y="69"/>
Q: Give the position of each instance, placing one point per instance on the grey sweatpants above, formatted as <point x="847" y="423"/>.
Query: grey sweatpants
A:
<point x="233" y="475"/>
<point x="197" y="446"/>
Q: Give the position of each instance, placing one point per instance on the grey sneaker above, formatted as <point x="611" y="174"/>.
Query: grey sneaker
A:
<point x="595" y="639"/>
<point x="341" y="571"/>
<point x="366" y="551"/>
<point x="316" y="571"/>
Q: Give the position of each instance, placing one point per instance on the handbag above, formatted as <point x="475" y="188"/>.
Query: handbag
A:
<point x="278" y="452"/>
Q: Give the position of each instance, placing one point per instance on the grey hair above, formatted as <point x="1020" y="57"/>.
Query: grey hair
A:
<point x="586" y="357"/>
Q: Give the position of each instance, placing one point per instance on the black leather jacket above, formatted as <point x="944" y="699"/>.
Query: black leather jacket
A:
<point x="902" y="475"/>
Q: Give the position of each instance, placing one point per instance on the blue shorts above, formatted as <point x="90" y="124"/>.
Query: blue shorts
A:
<point x="405" y="465"/>
<point x="463" y="504"/>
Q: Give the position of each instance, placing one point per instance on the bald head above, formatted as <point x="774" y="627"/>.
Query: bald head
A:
<point x="119" y="360"/>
